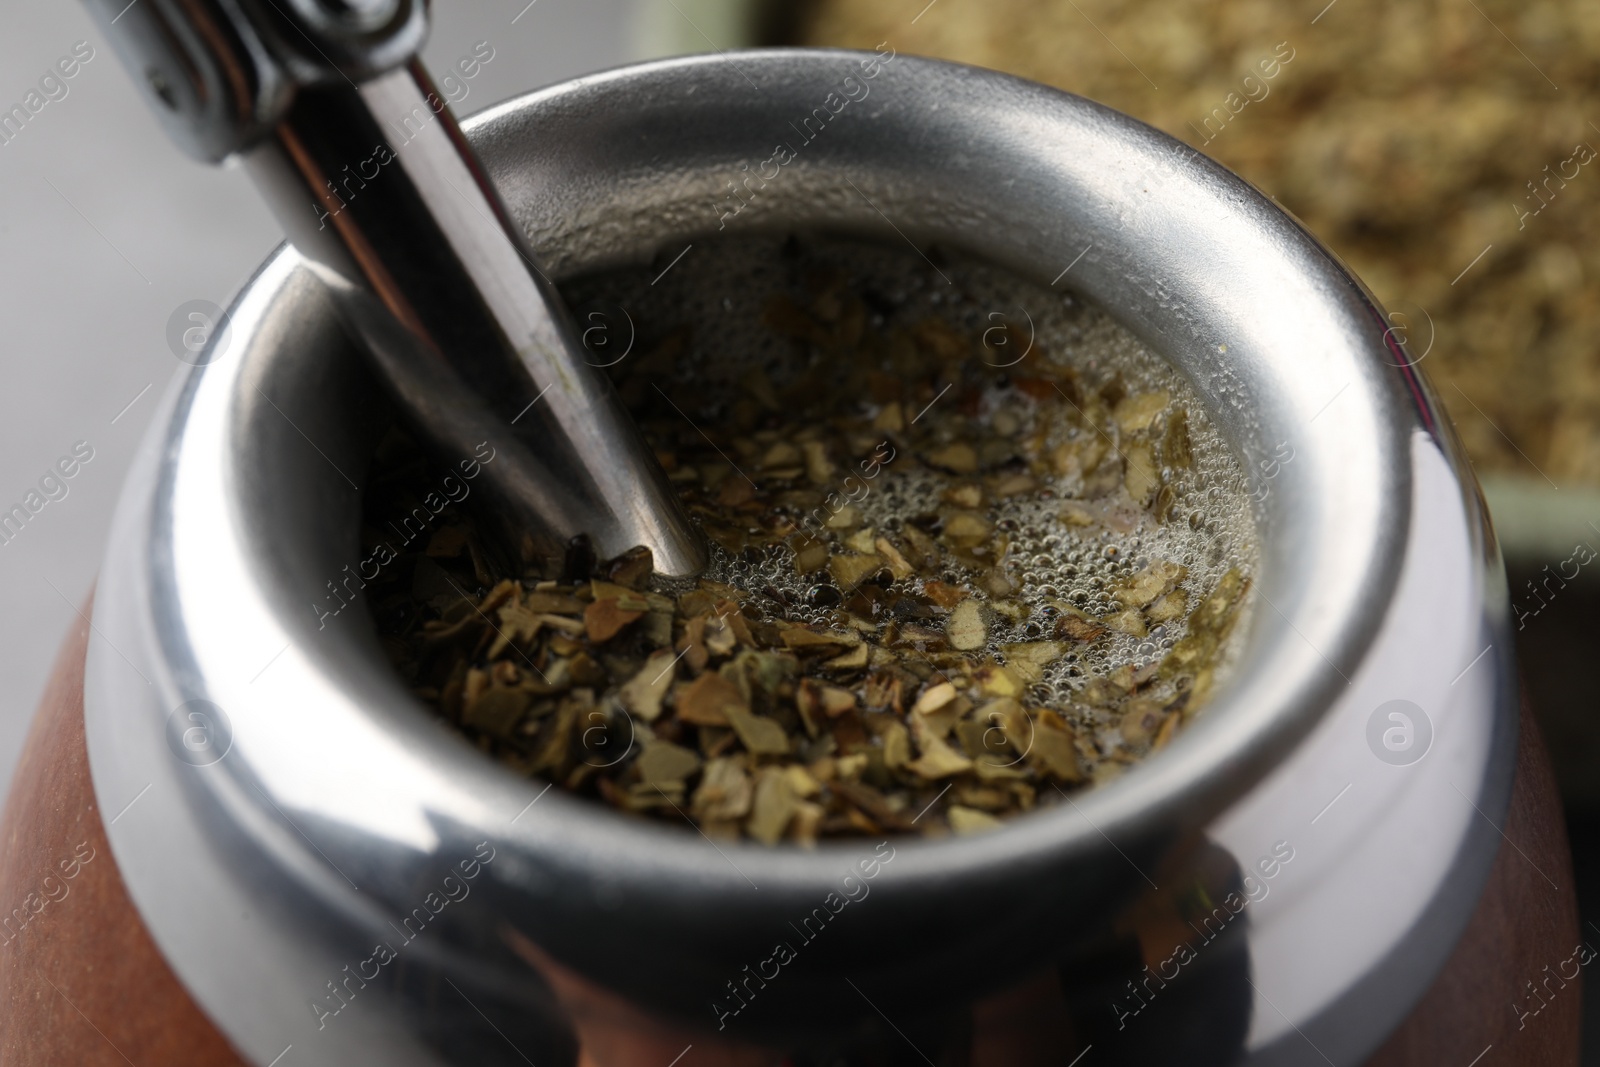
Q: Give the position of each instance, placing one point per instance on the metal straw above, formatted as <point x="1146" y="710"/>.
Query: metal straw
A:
<point x="365" y="167"/>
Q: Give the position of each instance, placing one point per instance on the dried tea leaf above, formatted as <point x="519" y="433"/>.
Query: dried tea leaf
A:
<point x="551" y="603"/>
<point x="1138" y="412"/>
<point x="922" y="551"/>
<point x="996" y="680"/>
<point x="1155" y="580"/>
<point x="801" y="781"/>
<point x="1008" y="721"/>
<point x="936" y="724"/>
<point x="759" y="734"/>
<point x="855" y="659"/>
<point x="967" y="495"/>
<point x="735" y="492"/>
<point x="984" y="797"/>
<point x="1009" y="485"/>
<point x="862" y="541"/>
<point x="849" y="768"/>
<point x="517" y="626"/>
<point x="1093" y="452"/>
<point x="1217" y="610"/>
<point x="497" y="711"/>
<point x="996" y="584"/>
<point x="882" y="814"/>
<point x="1142" y="474"/>
<point x="725" y="790"/>
<point x="1075" y="514"/>
<point x="632" y="569"/>
<point x="847" y="517"/>
<point x="586" y="671"/>
<point x="1077" y="627"/>
<point x="643" y="693"/>
<point x="958" y="458"/>
<point x="1175" y="447"/>
<point x="920" y="638"/>
<point x="966" y="821"/>
<point x="555" y="736"/>
<point x="811" y="558"/>
<point x="966" y="529"/>
<point x="781" y="454"/>
<point x="502" y="592"/>
<point x="604" y="619"/>
<point x="774" y="804"/>
<point x="1053" y="750"/>
<point x="818" y="699"/>
<point x="898" y="565"/>
<point x="1166" y="500"/>
<point x="477" y="681"/>
<point x="934" y="697"/>
<point x="561" y="623"/>
<point x="1122" y="681"/>
<point x="984" y="744"/>
<point x="1128" y="621"/>
<point x="761" y="676"/>
<point x="627" y="599"/>
<point x="1140" y="720"/>
<point x="850" y="569"/>
<point x="806" y="823"/>
<point x="944" y="594"/>
<point x="1190" y="650"/>
<point x="896" y="741"/>
<point x="719" y="636"/>
<point x="662" y="763"/>
<point x="884" y="689"/>
<point x="1168" y="607"/>
<point x="692" y="642"/>
<point x="706" y="700"/>
<point x="657" y="628"/>
<point x="938" y="760"/>
<point x="802" y="639"/>
<point x="556" y="677"/>
<point x="1169" y="726"/>
<point x="966" y="628"/>
<point x="819" y="468"/>
<point x="1009" y="609"/>
<point x="1200" y="688"/>
<point x="1028" y="660"/>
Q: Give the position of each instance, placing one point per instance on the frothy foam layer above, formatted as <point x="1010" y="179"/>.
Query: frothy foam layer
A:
<point x="1071" y="544"/>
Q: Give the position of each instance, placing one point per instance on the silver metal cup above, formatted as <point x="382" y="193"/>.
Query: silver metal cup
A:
<point x="339" y="879"/>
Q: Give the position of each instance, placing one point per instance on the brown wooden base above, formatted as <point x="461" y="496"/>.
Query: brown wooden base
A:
<point x="82" y="983"/>
<point x="1524" y="930"/>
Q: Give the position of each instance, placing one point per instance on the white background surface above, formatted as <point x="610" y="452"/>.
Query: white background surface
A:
<point x="105" y="228"/>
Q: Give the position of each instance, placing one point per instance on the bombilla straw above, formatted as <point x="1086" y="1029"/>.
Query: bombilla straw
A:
<point x="364" y="165"/>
